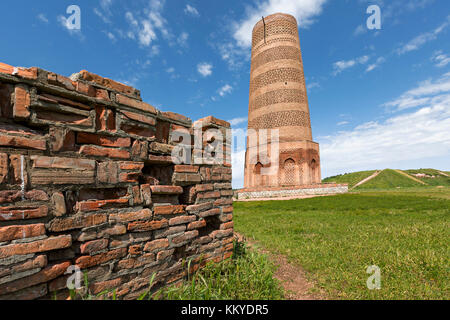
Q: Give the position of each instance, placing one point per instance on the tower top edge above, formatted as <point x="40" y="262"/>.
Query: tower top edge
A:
<point x="275" y="16"/>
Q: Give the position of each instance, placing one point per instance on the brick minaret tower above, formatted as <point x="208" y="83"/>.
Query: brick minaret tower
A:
<point x="278" y="100"/>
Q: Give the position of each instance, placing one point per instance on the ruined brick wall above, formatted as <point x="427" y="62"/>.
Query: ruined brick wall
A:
<point x="87" y="180"/>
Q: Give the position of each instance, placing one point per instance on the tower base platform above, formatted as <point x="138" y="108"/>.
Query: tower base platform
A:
<point x="291" y="191"/>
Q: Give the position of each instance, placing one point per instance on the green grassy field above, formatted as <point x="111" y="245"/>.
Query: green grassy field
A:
<point x="438" y="180"/>
<point x="389" y="179"/>
<point x="405" y="232"/>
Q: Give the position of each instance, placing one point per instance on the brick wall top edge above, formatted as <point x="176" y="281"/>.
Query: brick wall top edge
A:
<point x="130" y="96"/>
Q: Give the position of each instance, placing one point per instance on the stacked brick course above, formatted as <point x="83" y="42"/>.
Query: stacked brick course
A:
<point x="87" y="180"/>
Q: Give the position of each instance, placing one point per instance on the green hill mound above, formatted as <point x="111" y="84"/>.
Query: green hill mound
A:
<point x="389" y="179"/>
<point x="392" y="179"/>
<point x="431" y="177"/>
<point x="350" y="178"/>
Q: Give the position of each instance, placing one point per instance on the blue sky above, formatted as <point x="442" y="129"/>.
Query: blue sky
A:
<point x="378" y="98"/>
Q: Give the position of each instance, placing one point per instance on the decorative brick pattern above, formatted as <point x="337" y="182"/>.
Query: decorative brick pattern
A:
<point x="87" y="180"/>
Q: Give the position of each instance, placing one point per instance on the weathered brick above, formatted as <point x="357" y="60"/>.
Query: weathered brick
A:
<point x="166" y="189"/>
<point x="146" y="194"/>
<point x="164" y="254"/>
<point x="23" y="142"/>
<point x="21" y="102"/>
<point x="21" y="232"/>
<point x="61" y="139"/>
<point x="137" y="262"/>
<point x="147" y="225"/>
<point x="204" y="187"/>
<point x="196" y="225"/>
<point x="209" y="195"/>
<point x="48" y="244"/>
<point x="181" y="220"/>
<point x="22" y="213"/>
<point x="62" y="163"/>
<point x="136" y="104"/>
<point x="90" y="261"/>
<point x="30" y="293"/>
<point x="171" y="209"/>
<point x="45" y="275"/>
<point x="186" y="168"/>
<point x="227" y="225"/>
<point x="3" y="167"/>
<point x="228" y="209"/>
<point x="10" y="196"/>
<point x="144" y="214"/>
<point x="101" y="140"/>
<point x="105" y="82"/>
<point x="78" y="222"/>
<point x="223" y="202"/>
<point x="209" y="213"/>
<point x="59" y="202"/>
<point x="156" y="245"/>
<point x="99" y="287"/>
<point x="104" y="152"/>
<point x="105" y="119"/>
<point x="94" y="246"/>
<point x="184" y="238"/>
<point x="199" y="207"/>
<point x="139" y="117"/>
<point x="86" y="206"/>
<point x="108" y="172"/>
<point x="139" y="150"/>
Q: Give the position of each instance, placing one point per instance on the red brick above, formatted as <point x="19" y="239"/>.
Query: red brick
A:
<point x="211" y="212"/>
<point x="22" y="103"/>
<point x="105" y="119"/>
<point x="21" y="232"/>
<point x="175" y="116"/>
<point x="60" y="81"/>
<point x="45" y="275"/>
<point x="26" y="73"/>
<point x="186" y="168"/>
<point x="196" y="225"/>
<point x="164" y="254"/>
<point x="59" y="203"/>
<point x="48" y="244"/>
<point x="129" y="165"/>
<point x="212" y="120"/>
<point x="144" y="214"/>
<point x="209" y="195"/>
<point x="63" y="101"/>
<point x="99" y="287"/>
<point x="108" y="83"/>
<point x="139" y="150"/>
<point x="228" y="225"/>
<point x="85" y="89"/>
<point x="135" y="249"/>
<point x="9" y="196"/>
<point x="139" y="117"/>
<point x="223" y="201"/>
<point x="137" y="262"/>
<point x="204" y="187"/>
<point x="86" y="206"/>
<point x="156" y="245"/>
<point x="61" y="139"/>
<point x="3" y="167"/>
<point x="135" y="104"/>
<point x="108" y="172"/>
<point x="62" y="163"/>
<point x="90" y="261"/>
<point x="129" y="177"/>
<point x="181" y="220"/>
<point x="22" y="213"/>
<point x="104" y="152"/>
<point x="166" y="189"/>
<point x="147" y="225"/>
<point x="137" y="197"/>
<point x="170" y="209"/>
<point x="79" y="222"/>
<point x="138" y="130"/>
<point x="102" y="94"/>
<point x="105" y="141"/>
<point x="22" y="142"/>
<point x="5" y="68"/>
<point x="93" y="246"/>
<point x="185" y="237"/>
<point x="199" y="207"/>
<point x="154" y="159"/>
<point x="146" y="193"/>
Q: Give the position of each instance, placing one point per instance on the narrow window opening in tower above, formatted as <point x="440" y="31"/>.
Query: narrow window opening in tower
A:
<point x="264" y="22"/>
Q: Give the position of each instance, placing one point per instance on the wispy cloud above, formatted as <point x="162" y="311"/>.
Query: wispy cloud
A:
<point x="440" y="58"/>
<point x="423" y="38"/>
<point x="66" y="24"/>
<point x="42" y="17"/>
<point x="237" y="121"/>
<point x="191" y="10"/>
<point x="182" y="39"/>
<point x="226" y="89"/>
<point x="205" y="69"/>
<point x="375" y="65"/>
<point x="342" y="65"/>
<point x="104" y="12"/>
<point x="428" y="92"/>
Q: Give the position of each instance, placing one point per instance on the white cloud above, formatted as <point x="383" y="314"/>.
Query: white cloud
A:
<point x="225" y="90"/>
<point x="191" y="10"/>
<point x="427" y="92"/>
<point x="312" y="85"/>
<point x="303" y="10"/>
<point x="342" y="123"/>
<point x="111" y="36"/>
<point x="408" y="139"/>
<point x="342" y="65"/>
<point x="377" y="63"/>
<point x="145" y="25"/>
<point x="205" y="69"/>
<point x="361" y="29"/>
<point x="237" y="121"/>
<point x="105" y="12"/>
<point x="423" y="38"/>
<point x="440" y="59"/>
<point x="182" y="39"/>
<point x="42" y="17"/>
<point x="66" y="24"/>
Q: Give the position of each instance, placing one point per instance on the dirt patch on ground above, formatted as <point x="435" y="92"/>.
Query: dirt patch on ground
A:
<point x="292" y="277"/>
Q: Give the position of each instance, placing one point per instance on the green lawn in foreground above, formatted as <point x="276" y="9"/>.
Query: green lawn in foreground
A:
<point x="336" y="238"/>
